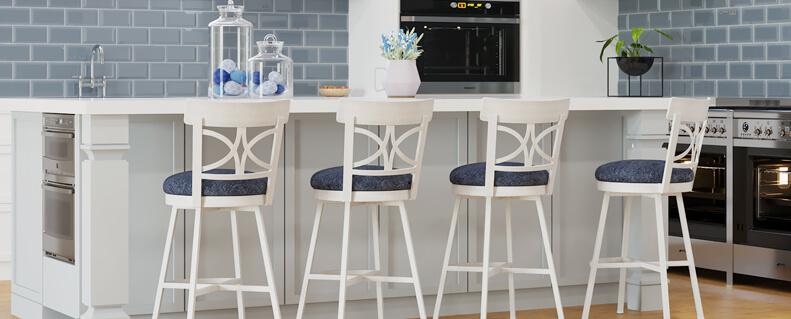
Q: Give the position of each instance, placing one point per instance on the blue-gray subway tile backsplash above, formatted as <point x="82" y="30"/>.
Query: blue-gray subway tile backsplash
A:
<point x="728" y="48"/>
<point x="160" y="48"/>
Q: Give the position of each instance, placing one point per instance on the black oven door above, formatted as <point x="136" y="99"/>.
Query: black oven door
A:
<point x="762" y="190"/>
<point x="706" y="204"/>
<point x="464" y="56"/>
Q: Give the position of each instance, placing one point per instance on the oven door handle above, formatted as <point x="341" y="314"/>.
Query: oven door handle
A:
<point x="53" y="188"/>
<point x="58" y="134"/>
<point x="459" y="19"/>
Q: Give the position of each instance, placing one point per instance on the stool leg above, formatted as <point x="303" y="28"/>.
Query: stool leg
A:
<point x="237" y="265"/>
<point x="344" y="273"/>
<point x="693" y="276"/>
<point x="510" y="252"/>
<point x="550" y="260"/>
<point x="165" y="260"/>
<point x="270" y="275"/>
<point x="377" y="260"/>
<point x="660" y="238"/>
<point x="309" y="264"/>
<point x="446" y="260"/>
<point x="410" y="249"/>
<point x="193" y="280"/>
<point x="596" y="252"/>
<point x="487" y="234"/>
<point x="627" y="214"/>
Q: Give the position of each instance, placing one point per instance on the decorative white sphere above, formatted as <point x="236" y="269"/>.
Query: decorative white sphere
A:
<point x="228" y="65"/>
<point x="268" y="88"/>
<point x="233" y="88"/>
<point x="276" y="77"/>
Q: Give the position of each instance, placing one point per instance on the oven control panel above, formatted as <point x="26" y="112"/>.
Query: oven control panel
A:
<point x="764" y="129"/>
<point x="715" y="127"/>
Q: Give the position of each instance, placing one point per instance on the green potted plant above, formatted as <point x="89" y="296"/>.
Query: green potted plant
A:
<point x="629" y="57"/>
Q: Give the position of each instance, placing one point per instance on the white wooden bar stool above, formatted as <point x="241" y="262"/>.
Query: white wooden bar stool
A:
<point x="365" y="182"/>
<point x="499" y="178"/>
<point x="212" y="188"/>
<point x="653" y="179"/>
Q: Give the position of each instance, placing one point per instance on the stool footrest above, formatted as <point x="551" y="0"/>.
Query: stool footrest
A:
<point x="210" y="285"/>
<point x="357" y="276"/>
<point x="619" y="262"/>
<point x="496" y="268"/>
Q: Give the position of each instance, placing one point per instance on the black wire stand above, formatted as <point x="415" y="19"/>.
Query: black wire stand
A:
<point x="639" y="79"/>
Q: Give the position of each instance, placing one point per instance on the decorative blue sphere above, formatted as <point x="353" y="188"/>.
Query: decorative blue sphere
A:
<point x="239" y="77"/>
<point x="221" y="76"/>
<point x="280" y="89"/>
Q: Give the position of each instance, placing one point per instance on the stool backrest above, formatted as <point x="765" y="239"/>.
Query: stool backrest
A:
<point x="207" y="117"/>
<point x="688" y="118"/>
<point x="389" y="114"/>
<point x="533" y="114"/>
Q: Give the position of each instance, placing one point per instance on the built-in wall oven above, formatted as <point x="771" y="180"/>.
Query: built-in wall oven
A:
<point x="58" y="187"/>
<point x="469" y="46"/>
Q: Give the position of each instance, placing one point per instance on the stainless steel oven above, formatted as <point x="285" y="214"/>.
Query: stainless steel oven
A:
<point x="762" y="214"/>
<point x="58" y="187"/>
<point x="470" y="46"/>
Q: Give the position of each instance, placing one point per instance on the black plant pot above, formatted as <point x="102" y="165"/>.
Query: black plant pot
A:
<point x="635" y="66"/>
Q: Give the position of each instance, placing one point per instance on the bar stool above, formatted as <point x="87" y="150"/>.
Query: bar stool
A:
<point x="247" y="186"/>
<point x="653" y="179"/>
<point x="365" y="182"/>
<point x="499" y="178"/>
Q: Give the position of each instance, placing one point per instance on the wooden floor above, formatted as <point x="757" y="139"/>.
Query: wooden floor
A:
<point x="763" y="301"/>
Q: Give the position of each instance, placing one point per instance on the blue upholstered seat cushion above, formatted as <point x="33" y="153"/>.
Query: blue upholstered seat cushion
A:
<point x="475" y="175"/>
<point x="641" y="171"/>
<point x="331" y="179"/>
<point x="181" y="184"/>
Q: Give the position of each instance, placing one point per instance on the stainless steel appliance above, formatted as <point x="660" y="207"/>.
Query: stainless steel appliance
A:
<point x="58" y="187"/>
<point x="470" y="46"/>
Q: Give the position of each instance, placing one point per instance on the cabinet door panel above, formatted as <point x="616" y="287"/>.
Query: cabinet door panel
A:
<point x="148" y="213"/>
<point x="591" y="139"/>
<point x="27" y="202"/>
<point x="315" y="142"/>
<point x="430" y="214"/>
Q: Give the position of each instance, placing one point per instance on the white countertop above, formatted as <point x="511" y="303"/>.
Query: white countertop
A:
<point x="299" y="105"/>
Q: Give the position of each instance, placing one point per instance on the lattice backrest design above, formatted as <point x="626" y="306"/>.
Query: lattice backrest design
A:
<point x="209" y="118"/>
<point x="538" y="148"/>
<point x="390" y="153"/>
<point x="688" y="118"/>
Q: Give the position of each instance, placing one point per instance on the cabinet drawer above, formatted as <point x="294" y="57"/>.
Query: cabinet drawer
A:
<point x="762" y="262"/>
<point x="708" y="254"/>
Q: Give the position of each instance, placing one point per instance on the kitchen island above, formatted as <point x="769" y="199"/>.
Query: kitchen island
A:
<point x="129" y="146"/>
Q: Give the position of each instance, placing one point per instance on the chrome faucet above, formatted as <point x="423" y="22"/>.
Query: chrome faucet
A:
<point x="97" y="55"/>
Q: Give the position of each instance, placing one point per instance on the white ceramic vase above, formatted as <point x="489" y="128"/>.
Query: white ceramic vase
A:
<point x="402" y="79"/>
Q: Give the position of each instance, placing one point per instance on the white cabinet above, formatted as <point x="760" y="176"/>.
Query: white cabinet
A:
<point x="27" y="219"/>
<point x="5" y="196"/>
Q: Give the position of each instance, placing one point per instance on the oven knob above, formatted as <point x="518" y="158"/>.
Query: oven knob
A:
<point x="782" y="132"/>
<point x="722" y="130"/>
<point x="768" y="131"/>
<point x="453" y="5"/>
<point x="757" y="132"/>
<point x="707" y="130"/>
<point x="488" y="5"/>
<point x="745" y="126"/>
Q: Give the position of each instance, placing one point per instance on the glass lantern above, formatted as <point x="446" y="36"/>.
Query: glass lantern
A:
<point x="230" y="50"/>
<point x="271" y="72"/>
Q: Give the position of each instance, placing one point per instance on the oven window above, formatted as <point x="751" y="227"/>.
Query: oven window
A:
<point x="59" y="212"/>
<point x="465" y="52"/>
<point x="59" y="146"/>
<point x="772" y="194"/>
<point x="706" y="204"/>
